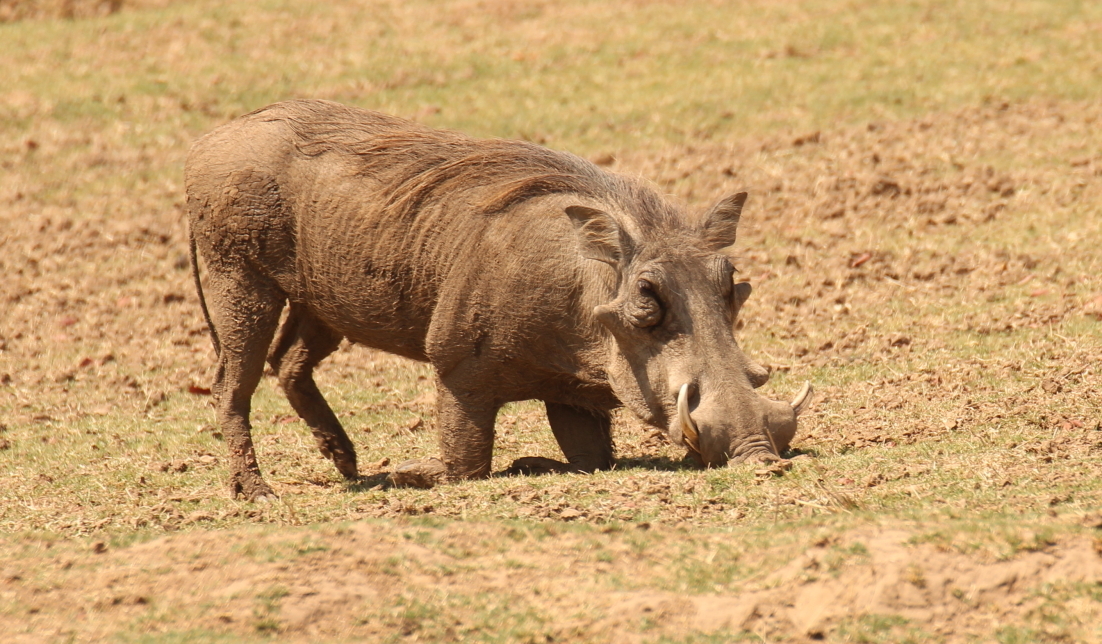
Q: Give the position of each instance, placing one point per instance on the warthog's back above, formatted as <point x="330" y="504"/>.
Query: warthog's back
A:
<point x="384" y="227"/>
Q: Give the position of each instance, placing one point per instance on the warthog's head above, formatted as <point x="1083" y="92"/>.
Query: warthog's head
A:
<point x="673" y="358"/>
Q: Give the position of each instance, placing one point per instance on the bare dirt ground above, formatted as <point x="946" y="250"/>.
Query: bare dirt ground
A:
<point x="938" y="249"/>
<point x="353" y="583"/>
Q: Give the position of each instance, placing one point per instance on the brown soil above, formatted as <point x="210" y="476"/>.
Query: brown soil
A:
<point x="948" y="594"/>
<point x="342" y="583"/>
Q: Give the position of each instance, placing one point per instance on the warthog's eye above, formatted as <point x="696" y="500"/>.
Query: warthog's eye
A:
<point x="724" y="274"/>
<point x="725" y="278"/>
<point x="645" y="310"/>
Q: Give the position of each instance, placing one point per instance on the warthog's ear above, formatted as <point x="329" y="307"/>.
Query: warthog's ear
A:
<point x="721" y="222"/>
<point x="599" y="236"/>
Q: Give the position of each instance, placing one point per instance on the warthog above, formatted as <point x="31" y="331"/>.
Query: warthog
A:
<point x="519" y="273"/>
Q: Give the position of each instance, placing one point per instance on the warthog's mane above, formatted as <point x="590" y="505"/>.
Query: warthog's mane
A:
<point x="420" y="165"/>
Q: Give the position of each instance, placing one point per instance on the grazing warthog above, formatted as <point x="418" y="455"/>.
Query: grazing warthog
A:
<point x="519" y="273"/>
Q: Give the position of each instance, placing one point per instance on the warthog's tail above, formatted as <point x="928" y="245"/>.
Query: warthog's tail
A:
<point x="193" y="256"/>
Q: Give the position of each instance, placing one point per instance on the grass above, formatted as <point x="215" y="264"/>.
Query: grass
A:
<point x="592" y="77"/>
<point x="955" y="365"/>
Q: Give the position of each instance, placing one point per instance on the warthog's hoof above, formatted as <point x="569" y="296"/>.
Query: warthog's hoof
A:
<point x="419" y="472"/>
<point x="252" y="487"/>
<point x="537" y="465"/>
<point x="347" y="467"/>
<point x="343" y="456"/>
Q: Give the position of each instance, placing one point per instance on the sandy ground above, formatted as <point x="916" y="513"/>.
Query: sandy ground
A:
<point x="349" y="583"/>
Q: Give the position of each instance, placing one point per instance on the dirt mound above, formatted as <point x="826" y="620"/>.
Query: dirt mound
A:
<point x="344" y="584"/>
<point x="948" y="594"/>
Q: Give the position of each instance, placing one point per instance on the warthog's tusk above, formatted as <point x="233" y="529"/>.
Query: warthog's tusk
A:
<point x="799" y="403"/>
<point x="688" y="425"/>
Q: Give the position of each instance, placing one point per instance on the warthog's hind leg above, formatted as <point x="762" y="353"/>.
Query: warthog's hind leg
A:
<point x="303" y="343"/>
<point x="245" y="313"/>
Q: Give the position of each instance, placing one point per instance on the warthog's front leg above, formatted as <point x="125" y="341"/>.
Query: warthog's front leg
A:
<point x="466" y="421"/>
<point x="585" y="437"/>
<point x="465" y="418"/>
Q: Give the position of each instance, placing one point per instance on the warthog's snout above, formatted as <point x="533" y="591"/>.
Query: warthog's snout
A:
<point x="780" y="418"/>
<point x="717" y="443"/>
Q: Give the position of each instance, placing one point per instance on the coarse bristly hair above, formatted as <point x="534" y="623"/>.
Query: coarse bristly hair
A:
<point x="417" y="164"/>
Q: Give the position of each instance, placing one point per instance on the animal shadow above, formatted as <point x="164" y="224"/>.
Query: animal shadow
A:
<point x="369" y="483"/>
<point x="653" y="463"/>
<point x="381" y="480"/>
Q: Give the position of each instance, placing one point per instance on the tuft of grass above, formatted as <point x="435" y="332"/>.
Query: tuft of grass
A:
<point x="266" y="611"/>
<point x="874" y="628"/>
<point x="190" y="636"/>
